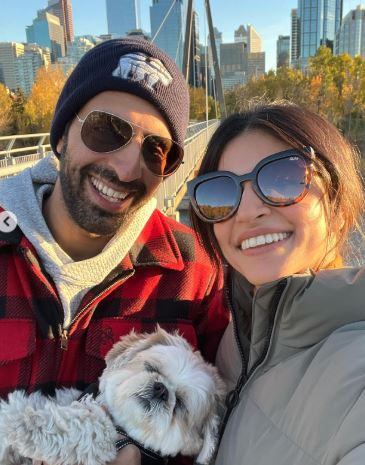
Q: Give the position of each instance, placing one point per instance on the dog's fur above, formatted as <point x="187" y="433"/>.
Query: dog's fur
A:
<point x="154" y="386"/>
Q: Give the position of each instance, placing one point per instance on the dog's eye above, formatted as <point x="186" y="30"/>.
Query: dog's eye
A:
<point x="151" y="368"/>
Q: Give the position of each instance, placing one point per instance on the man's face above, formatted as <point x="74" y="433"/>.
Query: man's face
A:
<point x="101" y="191"/>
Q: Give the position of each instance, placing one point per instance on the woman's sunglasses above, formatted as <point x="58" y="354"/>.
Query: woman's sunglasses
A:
<point x="278" y="180"/>
<point x="104" y="132"/>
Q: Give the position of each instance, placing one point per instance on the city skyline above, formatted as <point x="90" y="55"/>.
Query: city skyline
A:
<point x="227" y="18"/>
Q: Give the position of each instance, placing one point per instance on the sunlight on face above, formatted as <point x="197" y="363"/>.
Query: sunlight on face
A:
<point x="296" y="235"/>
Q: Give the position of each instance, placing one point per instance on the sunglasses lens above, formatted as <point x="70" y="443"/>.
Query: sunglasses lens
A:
<point x="161" y="155"/>
<point x="102" y="132"/>
<point x="284" y="181"/>
<point x="216" y="198"/>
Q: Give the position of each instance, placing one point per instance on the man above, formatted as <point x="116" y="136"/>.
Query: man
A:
<point x="92" y="258"/>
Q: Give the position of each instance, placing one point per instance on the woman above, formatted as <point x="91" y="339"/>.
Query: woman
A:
<point x="277" y="194"/>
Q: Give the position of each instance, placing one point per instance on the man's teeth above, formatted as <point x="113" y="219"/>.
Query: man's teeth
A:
<point x="263" y="239"/>
<point x="108" y="192"/>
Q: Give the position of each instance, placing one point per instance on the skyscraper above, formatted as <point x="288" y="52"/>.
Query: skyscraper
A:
<point x="351" y="36"/>
<point x="233" y="65"/>
<point x="240" y="34"/>
<point x="47" y="31"/>
<point x="28" y="64"/>
<point x="254" y="42"/>
<point x="294" y="38"/>
<point x="63" y="10"/>
<point x="123" y="16"/>
<point x="168" y="27"/>
<point x="319" y="22"/>
<point x="282" y="51"/>
<point x="9" y="53"/>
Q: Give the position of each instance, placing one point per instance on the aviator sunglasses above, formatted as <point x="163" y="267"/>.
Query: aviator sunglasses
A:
<point x="103" y="132"/>
<point x="278" y="180"/>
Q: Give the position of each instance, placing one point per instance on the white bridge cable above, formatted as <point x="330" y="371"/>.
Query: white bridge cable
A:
<point x="178" y="47"/>
<point x="180" y="37"/>
<point x="163" y="21"/>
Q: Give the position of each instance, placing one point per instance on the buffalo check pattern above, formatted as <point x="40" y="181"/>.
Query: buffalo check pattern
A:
<point x="166" y="278"/>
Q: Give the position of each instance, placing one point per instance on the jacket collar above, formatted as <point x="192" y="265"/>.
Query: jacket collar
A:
<point x="311" y="307"/>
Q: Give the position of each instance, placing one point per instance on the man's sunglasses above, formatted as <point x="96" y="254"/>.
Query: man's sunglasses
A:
<point x="104" y="132"/>
<point x="278" y="180"/>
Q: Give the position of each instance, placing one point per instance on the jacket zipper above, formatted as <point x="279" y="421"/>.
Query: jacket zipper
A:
<point x="232" y="397"/>
<point x="63" y="332"/>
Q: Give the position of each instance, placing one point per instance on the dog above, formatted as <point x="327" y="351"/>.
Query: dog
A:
<point x="155" y="390"/>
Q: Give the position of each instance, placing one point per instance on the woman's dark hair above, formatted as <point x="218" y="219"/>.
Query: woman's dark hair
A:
<point x="337" y="164"/>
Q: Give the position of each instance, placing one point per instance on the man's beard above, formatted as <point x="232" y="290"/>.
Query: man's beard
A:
<point x="87" y="215"/>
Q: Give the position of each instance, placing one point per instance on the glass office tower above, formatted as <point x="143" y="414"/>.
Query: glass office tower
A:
<point x="170" y="29"/>
<point x="123" y="16"/>
<point x="320" y="20"/>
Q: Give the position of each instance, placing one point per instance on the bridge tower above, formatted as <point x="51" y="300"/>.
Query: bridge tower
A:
<point x="187" y="48"/>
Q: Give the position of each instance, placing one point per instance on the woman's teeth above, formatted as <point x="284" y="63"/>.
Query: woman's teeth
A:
<point x="263" y="239"/>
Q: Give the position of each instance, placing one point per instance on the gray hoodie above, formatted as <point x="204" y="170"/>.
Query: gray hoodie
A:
<point x="23" y="195"/>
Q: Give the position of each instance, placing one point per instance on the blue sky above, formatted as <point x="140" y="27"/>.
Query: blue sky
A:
<point x="269" y="17"/>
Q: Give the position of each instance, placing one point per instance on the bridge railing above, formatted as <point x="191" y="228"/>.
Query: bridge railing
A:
<point x="9" y="151"/>
<point x="168" y="195"/>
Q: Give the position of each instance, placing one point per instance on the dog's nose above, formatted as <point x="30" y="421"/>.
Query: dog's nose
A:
<point x="160" y="391"/>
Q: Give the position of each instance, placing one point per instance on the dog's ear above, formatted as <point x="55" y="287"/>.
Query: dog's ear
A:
<point x="211" y="427"/>
<point x="130" y="345"/>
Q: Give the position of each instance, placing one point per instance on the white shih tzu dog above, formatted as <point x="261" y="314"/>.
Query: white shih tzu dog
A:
<point x="155" y="389"/>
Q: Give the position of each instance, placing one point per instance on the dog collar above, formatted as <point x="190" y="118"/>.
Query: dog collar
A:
<point x="127" y="440"/>
<point x="93" y="390"/>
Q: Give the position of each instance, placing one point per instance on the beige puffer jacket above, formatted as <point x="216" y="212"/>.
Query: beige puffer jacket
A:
<point x="301" y="378"/>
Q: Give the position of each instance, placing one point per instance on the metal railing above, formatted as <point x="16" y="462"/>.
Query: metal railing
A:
<point x="198" y="135"/>
<point x="194" y="148"/>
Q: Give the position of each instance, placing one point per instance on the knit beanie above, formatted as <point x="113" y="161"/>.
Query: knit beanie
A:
<point x="131" y="65"/>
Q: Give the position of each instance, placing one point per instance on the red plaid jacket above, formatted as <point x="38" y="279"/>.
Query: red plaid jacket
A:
<point x="167" y="278"/>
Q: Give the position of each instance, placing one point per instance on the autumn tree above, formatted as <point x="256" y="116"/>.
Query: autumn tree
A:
<point x="42" y="100"/>
<point x="5" y="114"/>
<point x="198" y="104"/>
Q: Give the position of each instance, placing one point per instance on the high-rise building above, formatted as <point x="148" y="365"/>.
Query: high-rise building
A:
<point x="123" y="16"/>
<point x="233" y="64"/>
<point x="243" y="59"/>
<point x="255" y="65"/>
<point x="63" y="10"/>
<point x="47" y="31"/>
<point x="33" y="58"/>
<point x="319" y="22"/>
<point x="294" y="38"/>
<point x="9" y="53"/>
<point x="76" y="49"/>
<point x="282" y="51"/>
<point x="351" y="36"/>
<point x="254" y="42"/>
<point x="168" y="20"/>
<point x="240" y="35"/>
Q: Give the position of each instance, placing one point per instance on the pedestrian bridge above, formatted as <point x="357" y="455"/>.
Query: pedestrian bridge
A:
<point x="172" y="190"/>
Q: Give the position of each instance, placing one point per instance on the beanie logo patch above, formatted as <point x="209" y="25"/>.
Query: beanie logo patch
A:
<point x="141" y="67"/>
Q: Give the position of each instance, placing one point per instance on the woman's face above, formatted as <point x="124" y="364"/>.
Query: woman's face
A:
<point x="297" y="233"/>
